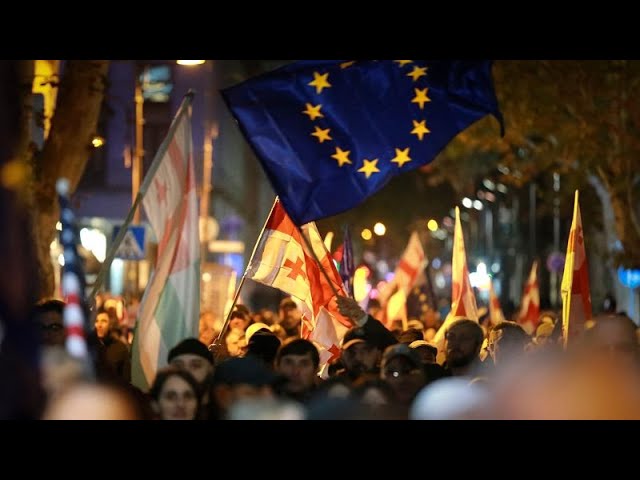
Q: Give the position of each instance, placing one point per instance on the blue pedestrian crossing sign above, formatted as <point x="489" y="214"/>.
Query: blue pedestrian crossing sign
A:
<point x="132" y="245"/>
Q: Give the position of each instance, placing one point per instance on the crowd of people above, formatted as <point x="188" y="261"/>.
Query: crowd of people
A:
<point x="260" y="368"/>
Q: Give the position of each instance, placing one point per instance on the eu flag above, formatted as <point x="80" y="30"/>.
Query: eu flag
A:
<point x="331" y="133"/>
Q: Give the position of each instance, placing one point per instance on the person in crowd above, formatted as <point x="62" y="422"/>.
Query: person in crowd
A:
<point x="298" y="361"/>
<point x="263" y="345"/>
<point x="175" y="394"/>
<point x="113" y="360"/>
<point x="237" y="379"/>
<point x="362" y="345"/>
<point x="290" y="317"/>
<point x="402" y="369"/>
<point x="463" y="340"/>
<point x="614" y="336"/>
<point x="91" y="401"/>
<point x="507" y="341"/>
<point x="234" y="337"/>
<point x="48" y="316"/>
<point x="193" y="356"/>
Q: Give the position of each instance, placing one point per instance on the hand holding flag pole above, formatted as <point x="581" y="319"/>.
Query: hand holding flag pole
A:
<point x="215" y="346"/>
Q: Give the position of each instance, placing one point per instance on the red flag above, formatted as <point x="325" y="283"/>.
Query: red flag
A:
<point x="282" y="260"/>
<point x="576" y="295"/>
<point x="409" y="267"/>
<point x="463" y="300"/>
<point x="495" y="311"/>
<point x="530" y="305"/>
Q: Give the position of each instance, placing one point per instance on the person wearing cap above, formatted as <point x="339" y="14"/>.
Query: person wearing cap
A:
<point x="262" y="344"/>
<point x="193" y="356"/>
<point x="290" y="317"/>
<point x="362" y="345"/>
<point x="401" y="368"/>
<point x="426" y="351"/>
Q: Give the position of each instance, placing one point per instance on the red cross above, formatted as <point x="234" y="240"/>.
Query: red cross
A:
<point x="161" y="191"/>
<point x="408" y="269"/>
<point x="296" y="268"/>
<point x="334" y="351"/>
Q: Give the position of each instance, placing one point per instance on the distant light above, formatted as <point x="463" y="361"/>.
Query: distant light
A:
<point x="439" y="234"/>
<point x="379" y="229"/>
<point x="488" y="184"/>
<point x="479" y="279"/>
<point x="440" y="281"/>
<point x="432" y="225"/>
<point x="436" y="263"/>
<point x="206" y="277"/>
<point x="477" y="204"/>
<point x="59" y="226"/>
<point x="382" y="266"/>
<point x="447" y="221"/>
<point x="490" y="197"/>
<point x="97" y="141"/>
<point x="466" y="202"/>
<point x="190" y="63"/>
<point x="61" y="260"/>
<point x="502" y="188"/>
<point x="495" y="268"/>
<point x="95" y="241"/>
<point x="366" y="234"/>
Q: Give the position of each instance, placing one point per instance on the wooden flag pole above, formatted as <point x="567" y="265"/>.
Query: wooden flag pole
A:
<point x="315" y="257"/>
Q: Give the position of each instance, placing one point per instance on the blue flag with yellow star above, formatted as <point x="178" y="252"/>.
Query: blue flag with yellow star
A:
<point x="331" y="133"/>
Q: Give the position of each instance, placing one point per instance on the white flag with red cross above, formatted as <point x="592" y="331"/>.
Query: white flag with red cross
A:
<point x="282" y="260"/>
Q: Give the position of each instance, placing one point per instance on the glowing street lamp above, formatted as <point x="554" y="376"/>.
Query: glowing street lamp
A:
<point x="190" y="63"/>
<point x="379" y="229"/>
<point x="432" y="225"/>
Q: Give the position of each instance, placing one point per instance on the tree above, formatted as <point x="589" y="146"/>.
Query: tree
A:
<point x="65" y="152"/>
<point x="578" y="118"/>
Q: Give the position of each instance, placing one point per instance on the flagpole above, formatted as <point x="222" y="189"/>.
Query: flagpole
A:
<point x="315" y="256"/>
<point x="244" y="276"/>
<point x="186" y="103"/>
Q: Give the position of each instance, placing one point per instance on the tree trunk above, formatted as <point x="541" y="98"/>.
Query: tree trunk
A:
<point x="625" y="229"/>
<point x="66" y="152"/>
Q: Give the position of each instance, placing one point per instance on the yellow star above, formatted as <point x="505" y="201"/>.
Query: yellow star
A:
<point x="313" y="112"/>
<point x="322" y="134"/>
<point x="402" y="157"/>
<point x="320" y="81"/>
<point x="421" y="97"/>
<point x="419" y="128"/>
<point x="417" y="72"/>
<point x="402" y="63"/>
<point x="369" y="167"/>
<point x="341" y="156"/>
<point x="347" y="64"/>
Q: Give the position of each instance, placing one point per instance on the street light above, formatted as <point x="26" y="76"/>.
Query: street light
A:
<point x="379" y="229"/>
<point x="190" y="63"/>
